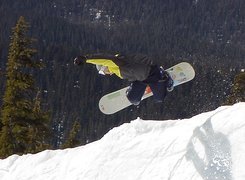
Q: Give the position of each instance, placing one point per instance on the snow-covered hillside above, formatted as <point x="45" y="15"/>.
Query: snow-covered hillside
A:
<point x="208" y="146"/>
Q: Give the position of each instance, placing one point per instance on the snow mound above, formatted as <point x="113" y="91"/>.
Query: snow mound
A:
<point x="207" y="146"/>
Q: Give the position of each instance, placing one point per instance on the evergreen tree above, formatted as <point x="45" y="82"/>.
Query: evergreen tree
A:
<point x="238" y="89"/>
<point x="39" y="131"/>
<point x="24" y="125"/>
<point x="72" y="140"/>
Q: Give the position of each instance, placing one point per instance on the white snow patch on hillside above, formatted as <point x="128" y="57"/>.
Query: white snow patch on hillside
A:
<point x="207" y="146"/>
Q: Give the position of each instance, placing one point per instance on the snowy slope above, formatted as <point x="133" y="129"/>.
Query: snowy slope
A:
<point x="208" y="146"/>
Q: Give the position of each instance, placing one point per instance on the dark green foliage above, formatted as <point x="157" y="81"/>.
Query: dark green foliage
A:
<point x="72" y="140"/>
<point x="24" y="124"/>
<point x="238" y="89"/>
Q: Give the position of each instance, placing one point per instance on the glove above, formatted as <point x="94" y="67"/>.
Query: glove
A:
<point x="79" y="60"/>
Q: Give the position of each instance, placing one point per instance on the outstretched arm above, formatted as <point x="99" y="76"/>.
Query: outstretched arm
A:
<point x="96" y="59"/>
<point x="109" y="61"/>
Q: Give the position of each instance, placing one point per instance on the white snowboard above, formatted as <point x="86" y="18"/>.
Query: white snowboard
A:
<point x="116" y="101"/>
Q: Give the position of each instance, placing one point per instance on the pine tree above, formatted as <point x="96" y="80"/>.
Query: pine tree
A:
<point x="238" y="89"/>
<point x="39" y="131"/>
<point x="24" y="125"/>
<point x="72" y="140"/>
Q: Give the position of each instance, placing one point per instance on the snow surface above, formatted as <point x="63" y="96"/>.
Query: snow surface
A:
<point x="208" y="146"/>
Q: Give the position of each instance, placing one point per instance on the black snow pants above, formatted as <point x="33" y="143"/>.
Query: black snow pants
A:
<point x="154" y="80"/>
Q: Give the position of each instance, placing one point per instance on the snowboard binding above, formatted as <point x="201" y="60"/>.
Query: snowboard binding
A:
<point x="167" y="78"/>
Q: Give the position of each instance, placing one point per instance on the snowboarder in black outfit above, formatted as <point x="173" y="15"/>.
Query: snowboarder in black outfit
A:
<point x="138" y="69"/>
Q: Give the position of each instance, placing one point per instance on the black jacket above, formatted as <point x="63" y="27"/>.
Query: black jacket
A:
<point x="130" y="67"/>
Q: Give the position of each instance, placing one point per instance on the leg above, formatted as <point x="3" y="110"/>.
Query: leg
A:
<point x="135" y="92"/>
<point x="159" y="90"/>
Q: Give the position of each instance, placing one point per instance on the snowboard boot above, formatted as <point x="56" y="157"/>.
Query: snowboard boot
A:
<point x="170" y="84"/>
<point x="135" y="103"/>
<point x="164" y="75"/>
<point x="167" y="78"/>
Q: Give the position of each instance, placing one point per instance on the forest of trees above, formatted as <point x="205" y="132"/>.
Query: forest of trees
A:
<point x="208" y="34"/>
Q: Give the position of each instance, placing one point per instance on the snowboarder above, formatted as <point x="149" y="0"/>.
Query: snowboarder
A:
<point x="138" y="69"/>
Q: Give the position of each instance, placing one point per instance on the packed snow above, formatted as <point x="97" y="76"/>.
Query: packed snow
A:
<point x="207" y="146"/>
